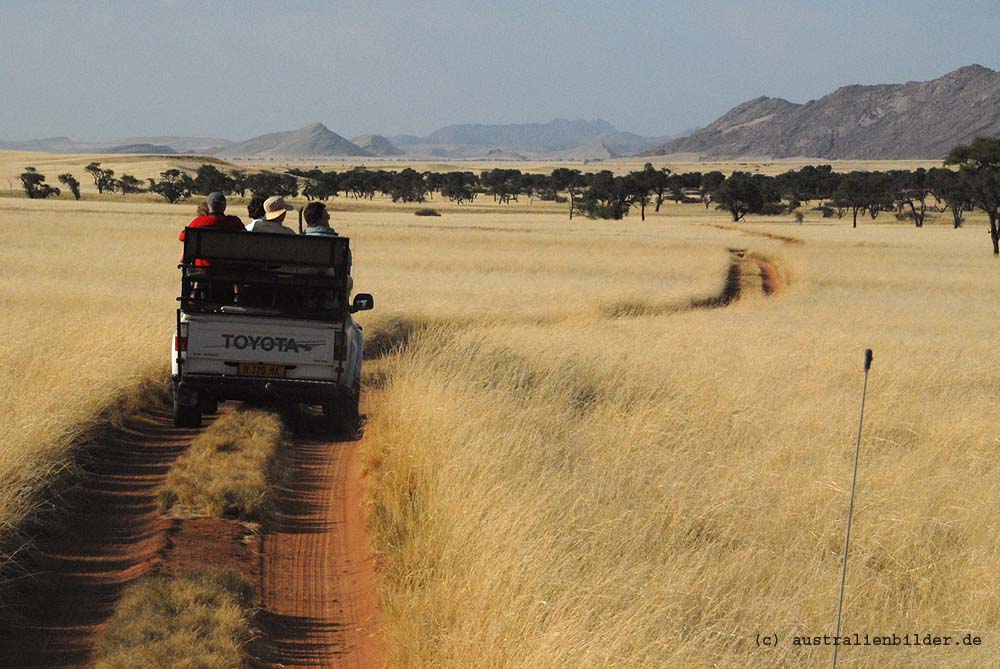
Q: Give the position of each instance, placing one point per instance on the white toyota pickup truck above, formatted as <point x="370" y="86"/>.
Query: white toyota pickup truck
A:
<point x="266" y="317"/>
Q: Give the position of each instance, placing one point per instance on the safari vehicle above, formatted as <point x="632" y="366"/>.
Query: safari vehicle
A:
<point x="265" y="317"/>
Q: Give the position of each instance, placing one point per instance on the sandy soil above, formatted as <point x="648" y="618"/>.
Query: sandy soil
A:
<point x="320" y="600"/>
<point x="106" y="532"/>
<point x="311" y="568"/>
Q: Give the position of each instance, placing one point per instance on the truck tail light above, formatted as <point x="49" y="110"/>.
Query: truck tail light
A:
<point x="181" y="338"/>
<point x="340" y="346"/>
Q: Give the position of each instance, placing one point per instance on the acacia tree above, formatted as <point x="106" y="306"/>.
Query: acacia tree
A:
<point x="951" y="188"/>
<point x="128" y="184"/>
<point x="104" y="179"/>
<point x="911" y="189"/>
<point x="570" y="181"/>
<point x="979" y="165"/>
<point x="459" y="187"/>
<point x="710" y="182"/>
<point x="240" y="182"/>
<point x="210" y="179"/>
<point x="504" y="185"/>
<point x="35" y="186"/>
<point x="320" y="185"/>
<point x="657" y="181"/>
<point x="172" y="186"/>
<point x="640" y="185"/>
<point x="608" y="196"/>
<point x="70" y="182"/>
<point x="407" y="186"/>
<point x="266" y="184"/>
<point x="739" y="195"/>
<point x="853" y="193"/>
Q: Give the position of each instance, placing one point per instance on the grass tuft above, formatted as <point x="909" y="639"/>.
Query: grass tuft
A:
<point x="231" y="469"/>
<point x="197" y="619"/>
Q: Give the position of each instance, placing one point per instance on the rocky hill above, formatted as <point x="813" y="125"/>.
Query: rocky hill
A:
<point x="918" y="119"/>
<point x="558" y="139"/>
<point x="154" y="149"/>
<point x="597" y="149"/>
<point x="377" y="145"/>
<point x="553" y="136"/>
<point x="151" y="145"/>
<point x="181" y="144"/>
<point x="312" y="141"/>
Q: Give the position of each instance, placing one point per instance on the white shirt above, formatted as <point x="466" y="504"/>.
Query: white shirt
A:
<point x="262" y="225"/>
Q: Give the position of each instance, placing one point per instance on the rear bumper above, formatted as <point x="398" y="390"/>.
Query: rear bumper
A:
<point x="189" y="387"/>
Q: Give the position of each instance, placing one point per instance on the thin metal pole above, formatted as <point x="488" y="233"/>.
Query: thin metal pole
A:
<point x="850" y="508"/>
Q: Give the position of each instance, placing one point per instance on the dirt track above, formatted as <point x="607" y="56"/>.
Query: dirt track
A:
<point x="108" y="533"/>
<point x="312" y="571"/>
<point x="320" y="601"/>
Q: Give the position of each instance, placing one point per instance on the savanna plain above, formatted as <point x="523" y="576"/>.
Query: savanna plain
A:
<point x="595" y="443"/>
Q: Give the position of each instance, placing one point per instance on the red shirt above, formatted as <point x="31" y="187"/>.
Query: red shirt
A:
<point x="221" y="221"/>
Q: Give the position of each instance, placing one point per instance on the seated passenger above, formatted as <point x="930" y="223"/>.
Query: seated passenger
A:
<point x="318" y="222"/>
<point x="274" y="215"/>
<point x="255" y="210"/>
<point x="216" y="216"/>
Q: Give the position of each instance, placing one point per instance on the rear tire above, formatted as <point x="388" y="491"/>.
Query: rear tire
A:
<point x="186" y="416"/>
<point x="209" y="406"/>
<point x="331" y="415"/>
<point x="354" y="406"/>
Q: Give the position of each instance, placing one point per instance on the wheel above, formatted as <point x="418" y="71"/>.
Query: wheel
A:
<point x="209" y="405"/>
<point x="186" y="416"/>
<point x="331" y="414"/>
<point x="354" y="406"/>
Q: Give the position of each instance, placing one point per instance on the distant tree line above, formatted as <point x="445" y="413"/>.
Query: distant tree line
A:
<point x="908" y="195"/>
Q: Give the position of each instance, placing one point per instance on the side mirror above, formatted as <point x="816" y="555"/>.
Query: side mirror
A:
<point x="362" y="302"/>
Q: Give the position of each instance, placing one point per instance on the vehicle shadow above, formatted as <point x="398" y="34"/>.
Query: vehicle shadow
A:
<point x="101" y="533"/>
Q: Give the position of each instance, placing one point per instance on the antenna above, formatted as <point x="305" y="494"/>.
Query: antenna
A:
<point x="850" y="508"/>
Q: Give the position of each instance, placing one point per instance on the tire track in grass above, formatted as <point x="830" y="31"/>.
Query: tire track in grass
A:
<point x="106" y="532"/>
<point x="320" y="599"/>
<point x="784" y="239"/>
<point x="747" y="274"/>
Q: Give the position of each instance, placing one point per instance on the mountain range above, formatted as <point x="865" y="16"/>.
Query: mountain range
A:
<point x="559" y="139"/>
<point x="155" y="145"/>
<point x="918" y="119"/>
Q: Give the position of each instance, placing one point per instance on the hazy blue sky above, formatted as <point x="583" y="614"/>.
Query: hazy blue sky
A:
<point x="102" y="70"/>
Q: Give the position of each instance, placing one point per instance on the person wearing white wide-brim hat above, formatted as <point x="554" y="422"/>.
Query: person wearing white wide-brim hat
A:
<point x="274" y="214"/>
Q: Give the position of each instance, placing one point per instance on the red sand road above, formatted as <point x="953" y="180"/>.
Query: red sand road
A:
<point x="319" y="590"/>
<point x="312" y="570"/>
<point x="108" y="531"/>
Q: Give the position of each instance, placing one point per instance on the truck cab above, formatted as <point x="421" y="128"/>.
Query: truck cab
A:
<point x="266" y="317"/>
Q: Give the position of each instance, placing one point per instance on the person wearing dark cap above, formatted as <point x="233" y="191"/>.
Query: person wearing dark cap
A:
<point x="217" y="216"/>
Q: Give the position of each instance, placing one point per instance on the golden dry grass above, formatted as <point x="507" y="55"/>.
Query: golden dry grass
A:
<point x="562" y="478"/>
<point x="655" y="491"/>
<point x="232" y="469"/>
<point x="86" y="294"/>
<point x="199" y="619"/>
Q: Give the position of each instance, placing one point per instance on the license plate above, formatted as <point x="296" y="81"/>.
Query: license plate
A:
<point x="261" y="369"/>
